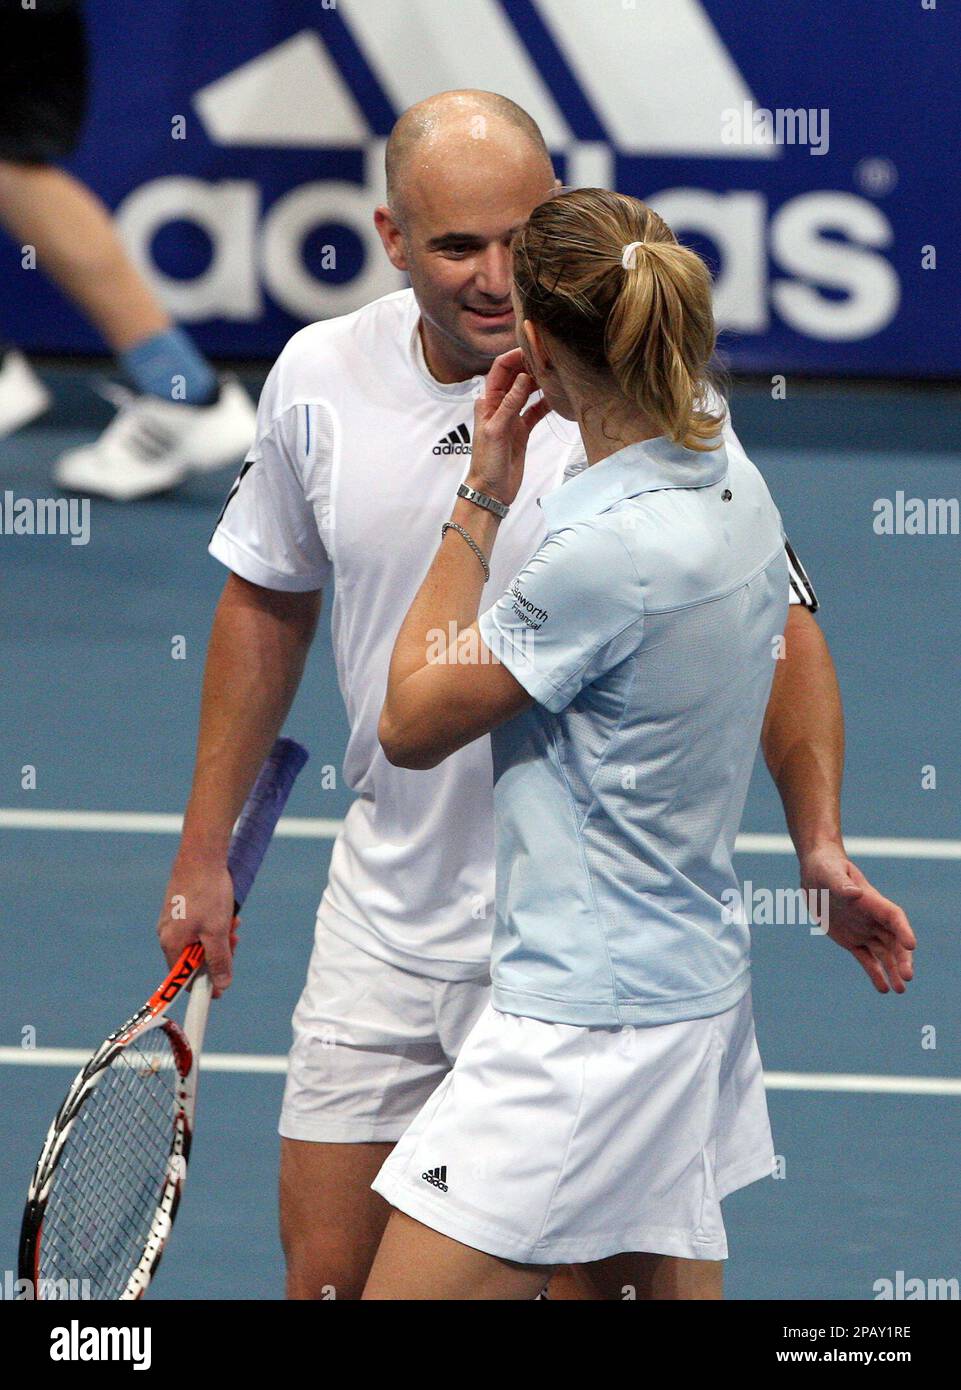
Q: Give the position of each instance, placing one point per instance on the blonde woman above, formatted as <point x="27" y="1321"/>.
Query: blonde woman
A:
<point x="610" y="1095"/>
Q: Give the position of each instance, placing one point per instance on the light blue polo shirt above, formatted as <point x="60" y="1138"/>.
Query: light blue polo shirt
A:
<point x="646" y="628"/>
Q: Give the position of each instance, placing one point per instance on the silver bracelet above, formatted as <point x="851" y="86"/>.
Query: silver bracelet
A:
<point x="453" y="526"/>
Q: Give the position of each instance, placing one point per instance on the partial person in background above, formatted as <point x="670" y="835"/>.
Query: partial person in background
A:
<point x="180" y="417"/>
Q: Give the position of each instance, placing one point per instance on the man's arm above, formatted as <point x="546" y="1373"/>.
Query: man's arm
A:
<point x="255" y="659"/>
<point x="803" y="742"/>
<point x="803" y="735"/>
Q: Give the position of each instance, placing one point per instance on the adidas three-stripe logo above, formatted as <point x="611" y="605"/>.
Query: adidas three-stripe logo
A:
<point x="798" y="579"/>
<point x="437" y="1177"/>
<point x="457" y="442"/>
<point x="248" y="464"/>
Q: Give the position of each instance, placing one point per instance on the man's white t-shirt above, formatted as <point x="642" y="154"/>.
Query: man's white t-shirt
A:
<point x="358" y="454"/>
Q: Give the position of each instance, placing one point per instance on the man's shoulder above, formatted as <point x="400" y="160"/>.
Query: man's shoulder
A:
<point x="302" y="371"/>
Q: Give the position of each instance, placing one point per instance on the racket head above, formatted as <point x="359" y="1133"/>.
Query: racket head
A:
<point x="108" y="1182"/>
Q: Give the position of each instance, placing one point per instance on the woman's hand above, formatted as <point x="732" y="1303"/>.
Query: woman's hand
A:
<point x="501" y="431"/>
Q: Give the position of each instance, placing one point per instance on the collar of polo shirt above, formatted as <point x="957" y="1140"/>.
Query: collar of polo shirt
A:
<point x="651" y="466"/>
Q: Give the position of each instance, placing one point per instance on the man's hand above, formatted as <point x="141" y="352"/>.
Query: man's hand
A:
<point x="874" y="929"/>
<point x="199" y="906"/>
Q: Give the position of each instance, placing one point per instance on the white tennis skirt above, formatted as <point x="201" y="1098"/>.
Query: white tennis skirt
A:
<point x="552" y="1143"/>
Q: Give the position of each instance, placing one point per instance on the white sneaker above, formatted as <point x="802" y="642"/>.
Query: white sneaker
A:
<point x="23" y="395"/>
<point x="151" y="445"/>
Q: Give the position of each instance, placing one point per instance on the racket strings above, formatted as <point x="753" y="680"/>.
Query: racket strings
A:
<point x="112" y="1170"/>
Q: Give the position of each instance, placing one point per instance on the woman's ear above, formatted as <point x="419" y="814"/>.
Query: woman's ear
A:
<point x="536" y="350"/>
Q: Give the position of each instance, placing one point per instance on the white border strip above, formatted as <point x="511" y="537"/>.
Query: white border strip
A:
<point x="316" y="828"/>
<point x="249" y="1064"/>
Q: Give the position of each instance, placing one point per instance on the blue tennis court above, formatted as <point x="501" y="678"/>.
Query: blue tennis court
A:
<point x="865" y="1092"/>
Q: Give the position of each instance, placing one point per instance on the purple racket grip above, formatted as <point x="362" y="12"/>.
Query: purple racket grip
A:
<point x="262" y="811"/>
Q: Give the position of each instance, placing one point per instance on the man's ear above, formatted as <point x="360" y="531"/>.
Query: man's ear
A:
<point x="389" y="231"/>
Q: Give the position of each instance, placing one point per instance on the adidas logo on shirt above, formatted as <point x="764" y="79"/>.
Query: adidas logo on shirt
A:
<point x="457" y="442"/>
<point x="437" y="1177"/>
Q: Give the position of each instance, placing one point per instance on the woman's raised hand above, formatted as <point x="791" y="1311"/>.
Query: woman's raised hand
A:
<point x="502" y="427"/>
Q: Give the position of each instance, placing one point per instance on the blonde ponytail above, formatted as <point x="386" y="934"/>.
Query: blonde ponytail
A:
<point x="660" y="336"/>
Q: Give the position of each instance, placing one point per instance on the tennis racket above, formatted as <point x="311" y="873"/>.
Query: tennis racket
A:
<point x="108" y="1181"/>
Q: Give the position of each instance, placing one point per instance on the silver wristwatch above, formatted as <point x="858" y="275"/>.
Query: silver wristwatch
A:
<point x="481" y="499"/>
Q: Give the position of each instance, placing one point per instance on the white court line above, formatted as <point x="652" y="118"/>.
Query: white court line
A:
<point x="250" y="1064"/>
<point x="858" y="846"/>
<point x="148" y="823"/>
<point x="315" y="828"/>
<point x="862" y="1085"/>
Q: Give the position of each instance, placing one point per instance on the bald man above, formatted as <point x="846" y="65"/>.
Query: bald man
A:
<point x="363" y="436"/>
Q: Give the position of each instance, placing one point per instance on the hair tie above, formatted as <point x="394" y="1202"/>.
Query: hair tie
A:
<point x="629" y="255"/>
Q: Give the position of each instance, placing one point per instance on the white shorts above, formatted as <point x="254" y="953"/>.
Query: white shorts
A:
<point x="371" y="1043"/>
<point x="550" y="1143"/>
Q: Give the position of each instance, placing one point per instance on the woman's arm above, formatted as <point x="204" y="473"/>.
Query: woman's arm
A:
<point x="444" y="687"/>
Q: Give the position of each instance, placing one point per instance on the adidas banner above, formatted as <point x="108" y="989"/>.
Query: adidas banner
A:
<point x="808" y="150"/>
